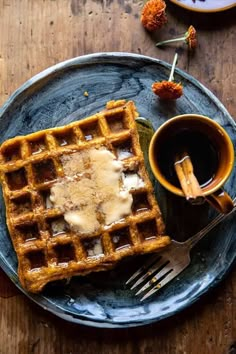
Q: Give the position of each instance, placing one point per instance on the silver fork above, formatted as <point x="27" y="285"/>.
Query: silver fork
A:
<point x="161" y="268"/>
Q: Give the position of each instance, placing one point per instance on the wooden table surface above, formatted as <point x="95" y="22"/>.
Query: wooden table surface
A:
<point x="35" y="34"/>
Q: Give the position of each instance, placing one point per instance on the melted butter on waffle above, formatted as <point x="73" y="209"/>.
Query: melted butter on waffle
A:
<point x="91" y="193"/>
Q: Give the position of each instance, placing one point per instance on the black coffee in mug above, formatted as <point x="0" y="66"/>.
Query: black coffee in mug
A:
<point x="209" y="148"/>
<point x="199" y="147"/>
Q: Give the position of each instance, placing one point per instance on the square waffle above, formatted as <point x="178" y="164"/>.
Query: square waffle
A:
<point x="48" y="248"/>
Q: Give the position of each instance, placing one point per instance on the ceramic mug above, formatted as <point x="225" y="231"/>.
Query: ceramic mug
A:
<point x="211" y="151"/>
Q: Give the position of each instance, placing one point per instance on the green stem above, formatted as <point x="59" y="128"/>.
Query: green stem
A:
<point x="170" y="41"/>
<point x="171" y="77"/>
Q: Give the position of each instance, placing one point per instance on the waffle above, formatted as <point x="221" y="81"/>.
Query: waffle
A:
<point x="47" y="247"/>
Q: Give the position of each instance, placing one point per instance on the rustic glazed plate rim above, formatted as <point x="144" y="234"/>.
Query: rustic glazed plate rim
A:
<point x="201" y="9"/>
<point x="41" y="299"/>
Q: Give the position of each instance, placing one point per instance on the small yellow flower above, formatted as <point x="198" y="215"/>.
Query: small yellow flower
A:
<point x="168" y="90"/>
<point x="153" y="15"/>
<point x="190" y="38"/>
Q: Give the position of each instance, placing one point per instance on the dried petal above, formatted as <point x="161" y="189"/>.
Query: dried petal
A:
<point x="191" y="37"/>
<point x="153" y="14"/>
<point x="167" y="90"/>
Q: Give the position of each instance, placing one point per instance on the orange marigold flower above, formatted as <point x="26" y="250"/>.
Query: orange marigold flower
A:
<point x="153" y="15"/>
<point x="167" y="90"/>
<point x="190" y="38"/>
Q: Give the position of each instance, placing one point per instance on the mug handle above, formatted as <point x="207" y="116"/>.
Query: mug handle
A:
<point x="221" y="201"/>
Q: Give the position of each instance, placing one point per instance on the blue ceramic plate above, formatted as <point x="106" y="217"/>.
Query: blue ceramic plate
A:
<point x="56" y="97"/>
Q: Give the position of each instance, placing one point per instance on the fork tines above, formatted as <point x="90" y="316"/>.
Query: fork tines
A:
<point x="152" y="276"/>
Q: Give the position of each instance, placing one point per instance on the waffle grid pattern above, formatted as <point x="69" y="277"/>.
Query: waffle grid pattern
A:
<point x="46" y="248"/>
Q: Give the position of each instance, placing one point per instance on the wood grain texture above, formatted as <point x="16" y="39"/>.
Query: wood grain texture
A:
<point x="37" y="34"/>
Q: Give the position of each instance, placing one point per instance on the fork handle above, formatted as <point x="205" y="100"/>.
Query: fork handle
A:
<point x="192" y="241"/>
